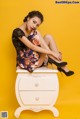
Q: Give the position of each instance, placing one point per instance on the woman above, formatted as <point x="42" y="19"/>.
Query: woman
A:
<point x="32" y="48"/>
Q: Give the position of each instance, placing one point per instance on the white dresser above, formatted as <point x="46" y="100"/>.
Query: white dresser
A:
<point x="37" y="91"/>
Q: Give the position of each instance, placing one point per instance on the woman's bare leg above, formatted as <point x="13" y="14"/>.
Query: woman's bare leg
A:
<point x="48" y="43"/>
<point x="52" y="45"/>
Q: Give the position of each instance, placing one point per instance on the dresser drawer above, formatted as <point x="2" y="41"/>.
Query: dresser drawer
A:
<point x="38" y="83"/>
<point x="38" y="97"/>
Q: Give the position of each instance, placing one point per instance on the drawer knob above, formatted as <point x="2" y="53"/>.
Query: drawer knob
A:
<point x="36" y="85"/>
<point x="37" y="98"/>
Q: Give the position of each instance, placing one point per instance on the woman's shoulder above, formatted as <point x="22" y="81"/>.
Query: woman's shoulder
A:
<point x="18" y="32"/>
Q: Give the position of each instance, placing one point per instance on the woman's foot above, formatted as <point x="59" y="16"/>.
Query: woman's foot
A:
<point x="58" y="64"/>
<point x="65" y="71"/>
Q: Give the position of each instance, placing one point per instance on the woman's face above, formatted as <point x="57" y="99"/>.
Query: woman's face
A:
<point x="33" y="23"/>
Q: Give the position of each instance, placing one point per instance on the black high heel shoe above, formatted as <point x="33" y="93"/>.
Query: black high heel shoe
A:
<point x="69" y="73"/>
<point x="56" y="63"/>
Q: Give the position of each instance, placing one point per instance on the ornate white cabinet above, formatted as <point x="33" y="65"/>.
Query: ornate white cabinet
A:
<point x="37" y="91"/>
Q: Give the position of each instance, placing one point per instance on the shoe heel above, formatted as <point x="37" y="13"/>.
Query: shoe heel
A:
<point x="69" y="73"/>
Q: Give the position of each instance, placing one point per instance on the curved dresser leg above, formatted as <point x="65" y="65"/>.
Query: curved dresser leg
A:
<point x="18" y="111"/>
<point x="54" y="110"/>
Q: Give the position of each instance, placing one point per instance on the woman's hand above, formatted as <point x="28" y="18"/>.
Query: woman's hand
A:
<point x="38" y="33"/>
<point x="56" y="55"/>
<point x="36" y="37"/>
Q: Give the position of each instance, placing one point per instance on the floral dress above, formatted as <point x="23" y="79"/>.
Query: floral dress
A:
<point x="26" y="57"/>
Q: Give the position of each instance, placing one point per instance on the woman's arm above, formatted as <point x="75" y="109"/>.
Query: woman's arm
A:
<point x="34" y="47"/>
<point x="43" y="44"/>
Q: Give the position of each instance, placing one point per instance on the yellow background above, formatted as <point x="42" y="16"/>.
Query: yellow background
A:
<point x="63" y="22"/>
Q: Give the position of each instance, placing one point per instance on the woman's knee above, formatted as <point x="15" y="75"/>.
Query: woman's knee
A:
<point x="48" y="36"/>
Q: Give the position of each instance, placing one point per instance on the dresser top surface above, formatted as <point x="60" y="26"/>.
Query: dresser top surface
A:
<point x="41" y="69"/>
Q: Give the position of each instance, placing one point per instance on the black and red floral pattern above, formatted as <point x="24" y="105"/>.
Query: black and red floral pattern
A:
<point x="26" y="58"/>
